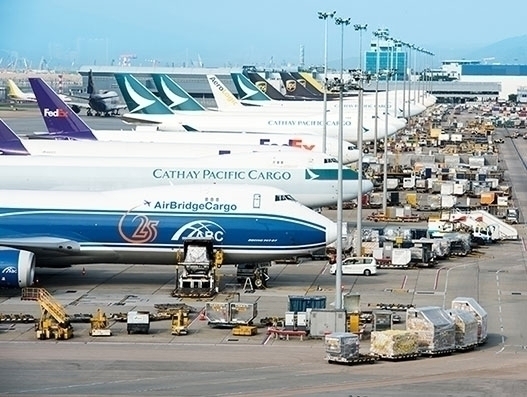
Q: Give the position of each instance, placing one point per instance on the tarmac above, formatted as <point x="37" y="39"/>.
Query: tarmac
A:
<point x="212" y="362"/>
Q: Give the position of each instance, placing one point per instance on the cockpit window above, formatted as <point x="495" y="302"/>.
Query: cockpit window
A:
<point x="328" y="160"/>
<point x="283" y="197"/>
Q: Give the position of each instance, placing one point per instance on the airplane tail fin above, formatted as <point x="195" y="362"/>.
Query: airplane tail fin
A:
<point x="138" y="98"/>
<point x="225" y="100"/>
<point x="313" y="84"/>
<point x="248" y="90"/>
<point x="297" y="88"/>
<point x="266" y="87"/>
<point x="173" y="95"/>
<point x="13" y="90"/>
<point x="10" y="143"/>
<point x="60" y="119"/>
<point x="91" y="88"/>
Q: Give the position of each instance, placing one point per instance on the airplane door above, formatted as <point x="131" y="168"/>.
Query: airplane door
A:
<point x="257" y="200"/>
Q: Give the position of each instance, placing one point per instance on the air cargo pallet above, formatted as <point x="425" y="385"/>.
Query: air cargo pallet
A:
<point x="383" y="218"/>
<point x="400" y="357"/>
<point x="360" y="359"/>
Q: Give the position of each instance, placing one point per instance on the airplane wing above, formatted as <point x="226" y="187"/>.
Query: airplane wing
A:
<point x="43" y="245"/>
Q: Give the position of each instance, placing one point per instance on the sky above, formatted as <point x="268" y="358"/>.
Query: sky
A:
<point x="232" y="32"/>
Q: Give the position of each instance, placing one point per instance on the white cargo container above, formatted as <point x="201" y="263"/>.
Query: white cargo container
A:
<point x="470" y="304"/>
<point x="434" y="327"/>
<point x="447" y="188"/>
<point x="138" y="322"/>
<point x="325" y="321"/>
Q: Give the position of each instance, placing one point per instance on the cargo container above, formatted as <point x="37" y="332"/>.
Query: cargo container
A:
<point x="470" y="304"/>
<point x="138" y="322"/>
<point x="300" y="303"/>
<point x="434" y="327"/>
<point x="323" y="322"/>
<point x="466" y="326"/>
<point x="394" y="344"/>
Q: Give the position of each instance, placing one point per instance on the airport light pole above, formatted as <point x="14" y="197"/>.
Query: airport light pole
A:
<point x="359" y="76"/>
<point x="389" y="74"/>
<point x="360" y="28"/>
<point x="325" y="16"/>
<point x="410" y="47"/>
<point x="379" y="34"/>
<point x="342" y="22"/>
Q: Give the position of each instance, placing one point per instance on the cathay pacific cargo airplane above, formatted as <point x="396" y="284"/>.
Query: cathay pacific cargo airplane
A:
<point x="310" y="178"/>
<point x="255" y="90"/>
<point x="145" y="108"/>
<point x="62" y="122"/>
<point x="60" y="228"/>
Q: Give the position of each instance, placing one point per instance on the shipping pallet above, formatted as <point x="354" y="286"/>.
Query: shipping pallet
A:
<point x="400" y="357"/>
<point x="361" y="359"/>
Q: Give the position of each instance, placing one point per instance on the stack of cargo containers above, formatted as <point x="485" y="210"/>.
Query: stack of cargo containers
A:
<point x="434" y="327"/>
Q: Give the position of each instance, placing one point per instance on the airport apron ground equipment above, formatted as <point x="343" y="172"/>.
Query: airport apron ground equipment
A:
<point x="180" y="322"/>
<point x="197" y="274"/>
<point x="53" y="321"/>
<point x="99" y="324"/>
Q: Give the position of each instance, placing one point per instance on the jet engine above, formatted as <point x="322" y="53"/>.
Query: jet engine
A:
<point x="17" y="268"/>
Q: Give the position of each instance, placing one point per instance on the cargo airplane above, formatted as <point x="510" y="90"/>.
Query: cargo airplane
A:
<point x="251" y="88"/>
<point x="247" y="223"/>
<point x="64" y="123"/>
<point x="307" y="176"/>
<point x="257" y="94"/>
<point x="105" y="103"/>
<point x="16" y="94"/>
<point x="145" y="108"/>
<point x="176" y="98"/>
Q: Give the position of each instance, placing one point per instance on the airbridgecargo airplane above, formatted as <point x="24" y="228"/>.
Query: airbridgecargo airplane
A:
<point x="249" y="223"/>
<point x="63" y="123"/>
<point x="145" y="108"/>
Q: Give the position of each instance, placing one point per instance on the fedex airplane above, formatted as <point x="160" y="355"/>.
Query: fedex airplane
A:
<point x="256" y="90"/>
<point x="145" y="108"/>
<point x="248" y="223"/>
<point x="63" y="123"/>
<point x="11" y="144"/>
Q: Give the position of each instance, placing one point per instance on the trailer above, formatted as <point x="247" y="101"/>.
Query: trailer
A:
<point x="343" y="348"/>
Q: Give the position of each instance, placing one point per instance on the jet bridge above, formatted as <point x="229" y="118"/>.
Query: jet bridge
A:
<point x="196" y="273"/>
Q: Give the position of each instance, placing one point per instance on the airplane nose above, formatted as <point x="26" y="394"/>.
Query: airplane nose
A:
<point x="331" y="232"/>
<point x="367" y="186"/>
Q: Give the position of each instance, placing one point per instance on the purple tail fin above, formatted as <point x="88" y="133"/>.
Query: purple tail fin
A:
<point x="10" y="144"/>
<point x="60" y="119"/>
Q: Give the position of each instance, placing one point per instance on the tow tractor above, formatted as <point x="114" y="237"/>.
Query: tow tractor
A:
<point x="196" y="274"/>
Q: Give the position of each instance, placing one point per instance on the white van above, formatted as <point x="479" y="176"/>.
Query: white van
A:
<point x="358" y="265"/>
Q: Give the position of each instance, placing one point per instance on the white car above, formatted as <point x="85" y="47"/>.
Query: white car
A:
<point x="356" y="265"/>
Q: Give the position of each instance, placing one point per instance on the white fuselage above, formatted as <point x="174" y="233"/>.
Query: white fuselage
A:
<point x="185" y="144"/>
<point x="274" y="123"/>
<point x="311" y="178"/>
